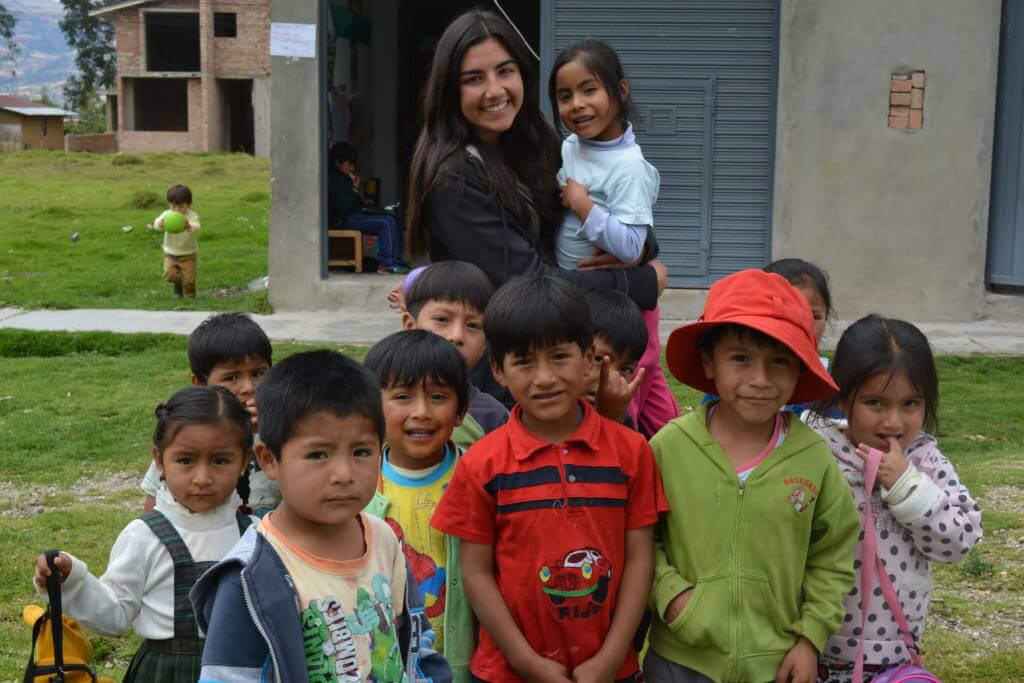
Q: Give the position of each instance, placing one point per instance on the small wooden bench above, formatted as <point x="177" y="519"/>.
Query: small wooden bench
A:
<point x="337" y="251"/>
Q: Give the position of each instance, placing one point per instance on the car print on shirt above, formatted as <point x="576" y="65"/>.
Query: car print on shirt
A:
<point x="577" y="585"/>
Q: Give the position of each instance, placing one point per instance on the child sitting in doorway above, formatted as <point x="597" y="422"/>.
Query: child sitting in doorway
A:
<point x="345" y="210"/>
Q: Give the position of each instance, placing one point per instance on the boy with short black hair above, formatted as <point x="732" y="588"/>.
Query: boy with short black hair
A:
<point x="620" y="338"/>
<point x="749" y="581"/>
<point x="425" y="390"/>
<point x="180" y="247"/>
<point x="448" y="298"/>
<point x="555" y="510"/>
<point x="318" y="590"/>
<point x="230" y="350"/>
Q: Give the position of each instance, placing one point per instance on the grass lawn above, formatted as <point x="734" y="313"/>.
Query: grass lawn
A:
<point x="47" y="196"/>
<point x="75" y="415"/>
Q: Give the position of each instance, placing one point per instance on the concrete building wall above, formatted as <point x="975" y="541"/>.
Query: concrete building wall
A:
<point x="297" y="220"/>
<point x="261" y="115"/>
<point x="899" y="218"/>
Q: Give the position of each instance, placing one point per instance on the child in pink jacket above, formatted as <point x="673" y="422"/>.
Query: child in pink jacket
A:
<point x="888" y="388"/>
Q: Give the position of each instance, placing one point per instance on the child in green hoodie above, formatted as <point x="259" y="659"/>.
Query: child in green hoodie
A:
<point x="754" y="558"/>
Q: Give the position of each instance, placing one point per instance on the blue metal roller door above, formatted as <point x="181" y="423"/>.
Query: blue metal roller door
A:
<point x="704" y="77"/>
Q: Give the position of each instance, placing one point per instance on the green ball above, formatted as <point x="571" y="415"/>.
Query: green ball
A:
<point x="174" y="222"/>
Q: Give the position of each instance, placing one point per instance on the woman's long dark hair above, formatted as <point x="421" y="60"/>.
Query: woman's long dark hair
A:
<point x="527" y="153"/>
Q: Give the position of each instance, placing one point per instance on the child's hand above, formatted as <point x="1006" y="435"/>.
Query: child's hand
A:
<point x="678" y="604"/>
<point x="396" y="298"/>
<point x="614" y="391"/>
<point x="893" y="464"/>
<point x="250" y="407"/>
<point x="543" y="670"/>
<point x="355" y="181"/>
<point x="597" y="669"/>
<point x="575" y="198"/>
<point x="62" y="562"/>
<point x="800" y="664"/>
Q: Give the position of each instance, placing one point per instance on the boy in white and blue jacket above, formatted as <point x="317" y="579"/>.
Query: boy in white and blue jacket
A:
<point x="318" y="590"/>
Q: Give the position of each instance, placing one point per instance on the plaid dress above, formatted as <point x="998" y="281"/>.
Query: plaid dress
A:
<point x="176" y="660"/>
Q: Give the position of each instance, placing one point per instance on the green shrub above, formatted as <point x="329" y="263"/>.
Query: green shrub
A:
<point x="255" y="197"/>
<point x="145" y="199"/>
<point x="122" y="159"/>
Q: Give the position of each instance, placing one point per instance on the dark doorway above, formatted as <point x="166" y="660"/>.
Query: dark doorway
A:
<point x="420" y="27"/>
<point x="172" y="41"/>
<point x="160" y="103"/>
<point x="241" y="136"/>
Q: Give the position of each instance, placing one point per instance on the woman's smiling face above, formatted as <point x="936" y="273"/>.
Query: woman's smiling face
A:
<point x="490" y="89"/>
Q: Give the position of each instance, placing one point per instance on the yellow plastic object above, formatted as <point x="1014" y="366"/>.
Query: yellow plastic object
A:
<point x="77" y="648"/>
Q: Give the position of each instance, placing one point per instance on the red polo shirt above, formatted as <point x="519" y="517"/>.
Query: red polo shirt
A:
<point x="557" y="516"/>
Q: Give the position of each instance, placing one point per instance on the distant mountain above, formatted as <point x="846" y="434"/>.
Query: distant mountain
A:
<point x="45" y="60"/>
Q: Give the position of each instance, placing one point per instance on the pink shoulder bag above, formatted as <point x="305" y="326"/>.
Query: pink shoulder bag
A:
<point x="914" y="672"/>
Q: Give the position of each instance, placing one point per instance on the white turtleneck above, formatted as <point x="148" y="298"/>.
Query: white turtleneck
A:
<point x="138" y="586"/>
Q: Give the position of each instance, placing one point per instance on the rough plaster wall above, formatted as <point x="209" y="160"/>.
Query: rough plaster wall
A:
<point x="261" y="116"/>
<point x="898" y="218"/>
<point x="296" y="170"/>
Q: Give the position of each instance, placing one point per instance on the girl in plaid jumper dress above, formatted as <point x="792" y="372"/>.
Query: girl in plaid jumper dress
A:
<point x="201" y="446"/>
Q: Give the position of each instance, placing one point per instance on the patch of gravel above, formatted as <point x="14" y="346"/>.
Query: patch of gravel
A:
<point x="28" y="501"/>
<point x="1003" y="499"/>
<point x="992" y="628"/>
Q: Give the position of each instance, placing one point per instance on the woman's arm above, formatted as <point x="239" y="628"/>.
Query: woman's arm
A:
<point x="466" y="223"/>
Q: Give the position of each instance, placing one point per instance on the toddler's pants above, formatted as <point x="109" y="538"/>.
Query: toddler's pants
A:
<point x="180" y="271"/>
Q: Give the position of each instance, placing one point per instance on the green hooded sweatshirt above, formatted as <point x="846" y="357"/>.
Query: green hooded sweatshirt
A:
<point x="769" y="560"/>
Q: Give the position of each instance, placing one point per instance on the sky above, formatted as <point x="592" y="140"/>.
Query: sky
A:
<point x="45" y="60"/>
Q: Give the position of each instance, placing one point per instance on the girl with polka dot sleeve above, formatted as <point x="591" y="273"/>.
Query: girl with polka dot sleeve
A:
<point x="888" y="388"/>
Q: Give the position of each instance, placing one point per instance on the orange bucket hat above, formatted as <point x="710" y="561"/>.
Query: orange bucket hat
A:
<point x="767" y="303"/>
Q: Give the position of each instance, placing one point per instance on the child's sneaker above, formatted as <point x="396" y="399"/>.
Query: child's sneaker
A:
<point x="393" y="270"/>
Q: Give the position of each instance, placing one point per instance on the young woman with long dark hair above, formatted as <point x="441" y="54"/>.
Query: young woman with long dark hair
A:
<point x="483" y="182"/>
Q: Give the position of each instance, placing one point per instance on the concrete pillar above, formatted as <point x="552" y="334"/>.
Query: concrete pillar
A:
<point x="297" y="182"/>
<point x="261" y="116"/>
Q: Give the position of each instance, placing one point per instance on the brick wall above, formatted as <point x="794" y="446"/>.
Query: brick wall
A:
<point x="249" y="53"/>
<point x="102" y="143"/>
<point x="246" y="55"/>
<point x="155" y="141"/>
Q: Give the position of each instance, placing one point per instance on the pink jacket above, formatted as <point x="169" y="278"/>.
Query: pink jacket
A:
<point x="927" y="516"/>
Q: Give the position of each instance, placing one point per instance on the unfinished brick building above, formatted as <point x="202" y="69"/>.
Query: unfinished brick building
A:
<point x="192" y="75"/>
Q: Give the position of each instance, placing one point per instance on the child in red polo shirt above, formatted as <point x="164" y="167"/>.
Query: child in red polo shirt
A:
<point x="556" y="508"/>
